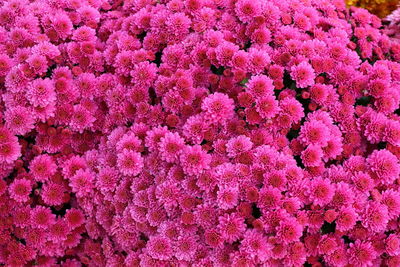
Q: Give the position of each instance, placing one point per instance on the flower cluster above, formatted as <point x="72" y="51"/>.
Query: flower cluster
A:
<point x="393" y="24"/>
<point x="198" y="133"/>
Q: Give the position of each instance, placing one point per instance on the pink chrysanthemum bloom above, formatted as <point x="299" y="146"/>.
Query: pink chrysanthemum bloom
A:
<point x="266" y="155"/>
<point x="62" y="25"/>
<point x="194" y="159"/>
<point x="346" y="219"/>
<point x="267" y="106"/>
<point x="170" y="146"/>
<point x="392" y="245"/>
<point x="81" y="119"/>
<point x="337" y="258"/>
<point x="82" y="183"/>
<point x="72" y="165"/>
<point x="144" y="73"/>
<point x="384" y="165"/>
<point x="361" y="253"/>
<point x="238" y="145"/>
<point x="321" y="191"/>
<point x="74" y="218"/>
<point x="130" y="162"/>
<point x="227" y="197"/>
<point x="159" y="247"/>
<point x="375" y="217"/>
<point x="312" y="156"/>
<point x="344" y="195"/>
<point x="224" y="53"/>
<point x="256" y="245"/>
<point x="218" y="107"/>
<point x="260" y="86"/>
<point x="9" y="150"/>
<point x="247" y="10"/>
<point x="292" y="108"/>
<point x="53" y="194"/>
<point x="20" y="189"/>
<point x="289" y="230"/>
<point x="276" y="179"/>
<point x="59" y="230"/>
<point x="327" y="245"/>
<point x="84" y="33"/>
<point x="303" y="74"/>
<point x="42" y="168"/>
<point x="314" y="132"/>
<point x="269" y="197"/>
<point x="107" y="179"/>
<point x="41" y="93"/>
<point x="391" y="199"/>
<point x="392" y="132"/>
<point x="38" y="63"/>
<point x="42" y="217"/>
<point x="231" y="227"/>
<point x="185" y="247"/>
<point x="19" y="120"/>
<point x="363" y="181"/>
<point x="168" y="193"/>
<point x="129" y="141"/>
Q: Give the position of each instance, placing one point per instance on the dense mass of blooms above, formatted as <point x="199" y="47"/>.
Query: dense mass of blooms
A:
<point x="198" y="133"/>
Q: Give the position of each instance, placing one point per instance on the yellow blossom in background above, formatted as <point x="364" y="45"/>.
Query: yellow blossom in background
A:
<point x="381" y="8"/>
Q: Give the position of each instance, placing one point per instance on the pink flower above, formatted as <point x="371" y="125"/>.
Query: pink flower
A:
<point x="292" y="108"/>
<point x="144" y="73"/>
<point x="53" y="194"/>
<point x="82" y="182"/>
<point x="361" y="253"/>
<point x="159" y="247"/>
<point x="58" y="231"/>
<point x="194" y="159"/>
<point x="314" y="132"/>
<point x="391" y="199"/>
<point x="130" y="162"/>
<point x="303" y="74"/>
<point x="384" y="165"/>
<point x="327" y="245"/>
<point x="218" y="107"/>
<point x="107" y="179"/>
<point x="231" y="227"/>
<point x="42" y="217"/>
<point x="247" y="10"/>
<point x="74" y="218"/>
<point x="289" y="230"/>
<point x="84" y="33"/>
<point x="42" y="168"/>
<point x="10" y="150"/>
<point x="260" y="86"/>
<point x="170" y="146"/>
<point x="227" y="197"/>
<point x="20" y="189"/>
<point x="375" y="216"/>
<point x="238" y="145"/>
<point x="19" y="120"/>
<point x="321" y="191"/>
<point x="81" y="119"/>
<point x="267" y="106"/>
<point x="256" y="245"/>
<point x="185" y="247"/>
<point x="311" y="157"/>
<point x="41" y="93"/>
<point x="392" y="245"/>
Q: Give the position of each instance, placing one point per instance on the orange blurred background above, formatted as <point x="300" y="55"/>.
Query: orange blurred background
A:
<point x="381" y="8"/>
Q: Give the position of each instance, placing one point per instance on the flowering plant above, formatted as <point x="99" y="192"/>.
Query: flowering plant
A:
<point x="197" y="133"/>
